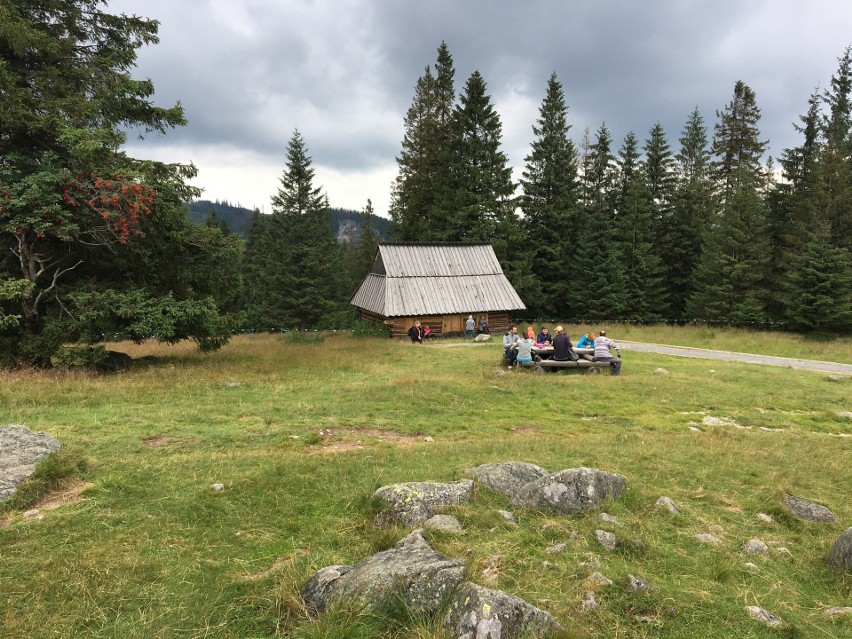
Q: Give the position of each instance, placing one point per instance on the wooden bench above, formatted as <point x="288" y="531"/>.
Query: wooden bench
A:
<point x="580" y="363"/>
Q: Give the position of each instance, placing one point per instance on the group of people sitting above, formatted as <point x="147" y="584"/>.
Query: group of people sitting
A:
<point x="518" y="349"/>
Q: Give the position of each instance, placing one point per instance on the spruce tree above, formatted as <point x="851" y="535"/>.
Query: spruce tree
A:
<point x="642" y="296"/>
<point x="259" y="298"/>
<point x="363" y="250"/>
<point x="550" y="205"/>
<point x="821" y="284"/>
<point x="480" y="182"/>
<point x="306" y="279"/>
<point x="693" y="207"/>
<point x="598" y="292"/>
<point x="414" y="210"/>
<point x="794" y="208"/>
<point x="737" y="256"/>
<point x="835" y="163"/>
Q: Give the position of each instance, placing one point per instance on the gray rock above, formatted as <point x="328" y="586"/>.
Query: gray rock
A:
<point x="766" y="519"/>
<point x="410" y="571"/>
<point x="481" y="613"/>
<point x="838" y="611"/>
<point x="635" y="584"/>
<point x="716" y="529"/>
<point x="607" y="519"/>
<point x="590" y="602"/>
<point x="755" y="547"/>
<point x="556" y="548"/>
<point x="507" y="478"/>
<point x="217" y="487"/>
<point x="606" y="539"/>
<point x="505" y="514"/>
<point x="570" y="491"/>
<point x="804" y="509"/>
<point x="600" y="579"/>
<point x="706" y="538"/>
<point x="667" y="503"/>
<point x="482" y="337"/>
<point x="443" y="523"/>
<point x="414" y="502"/>
<point x="20" y="451"/>
<point x="840" y="557"/>
<point x="660" y="371"/>
<point x="759" y="614"/>
<point x="320" y="587"/>
<point x="836" y="378"/>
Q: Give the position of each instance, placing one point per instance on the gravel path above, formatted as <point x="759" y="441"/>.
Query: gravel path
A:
<point x="748" y="358"/>
<point x="704" y="353"/>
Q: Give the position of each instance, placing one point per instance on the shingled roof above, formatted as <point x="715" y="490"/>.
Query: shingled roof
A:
<point x="409" y="280"/>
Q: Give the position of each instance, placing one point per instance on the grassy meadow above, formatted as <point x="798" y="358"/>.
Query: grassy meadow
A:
<point x="301" y="432"/>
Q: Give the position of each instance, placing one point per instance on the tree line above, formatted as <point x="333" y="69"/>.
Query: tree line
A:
<point x="95" y="244"/>
<point x="709" y="231"/>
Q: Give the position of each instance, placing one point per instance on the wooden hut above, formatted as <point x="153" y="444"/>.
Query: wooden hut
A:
<point x="438" y="284"/>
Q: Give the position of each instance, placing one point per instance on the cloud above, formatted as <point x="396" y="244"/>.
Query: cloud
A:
<point x="249" y="72"/>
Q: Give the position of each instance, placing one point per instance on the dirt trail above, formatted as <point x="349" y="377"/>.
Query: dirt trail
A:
<point x="730" y="356"/>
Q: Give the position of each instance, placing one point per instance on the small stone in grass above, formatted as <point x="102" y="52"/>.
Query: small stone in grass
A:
<point x="217" y="487"/>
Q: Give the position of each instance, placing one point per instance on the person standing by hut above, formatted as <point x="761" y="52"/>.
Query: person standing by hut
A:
<point x="469" y="326"/>
<point x="415" y="333"/>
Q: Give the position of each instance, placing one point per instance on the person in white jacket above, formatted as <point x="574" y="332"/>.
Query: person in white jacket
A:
<point x="603" y="352"/>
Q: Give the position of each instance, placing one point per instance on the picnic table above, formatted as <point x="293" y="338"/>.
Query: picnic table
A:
<point x="543" y="358"/>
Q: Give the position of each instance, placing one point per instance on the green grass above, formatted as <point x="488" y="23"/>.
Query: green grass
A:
<point x="302" y="432"/>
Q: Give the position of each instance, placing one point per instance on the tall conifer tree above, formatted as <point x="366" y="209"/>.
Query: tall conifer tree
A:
<point x="599" y="291"/>
<point x="307" y="263"/>
<point x="550" y="204"/>
<point x="415" y="210"/>
<point x="732" y="280"/>
<point x="642" y="295"/>
<point x="692" y="212"/>
<point x="480" y="177"/>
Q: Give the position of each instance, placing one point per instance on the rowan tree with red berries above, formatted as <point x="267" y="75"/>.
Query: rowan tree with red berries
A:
<point x="82" y="225"/>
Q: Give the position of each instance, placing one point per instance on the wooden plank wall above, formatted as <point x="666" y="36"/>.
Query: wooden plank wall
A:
<point x="441" y="325"/>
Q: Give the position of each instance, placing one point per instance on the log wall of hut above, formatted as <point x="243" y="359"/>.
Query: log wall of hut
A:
<point x="441" y="325"/>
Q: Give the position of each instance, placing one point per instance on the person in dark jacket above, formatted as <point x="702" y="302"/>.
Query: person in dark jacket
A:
<point x="544" y="336"/>
<point x="561" y="346"/>
<point x="415" y="333"/>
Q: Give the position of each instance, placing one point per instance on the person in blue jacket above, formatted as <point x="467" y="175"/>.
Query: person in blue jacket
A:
<point x="587" y="341"/>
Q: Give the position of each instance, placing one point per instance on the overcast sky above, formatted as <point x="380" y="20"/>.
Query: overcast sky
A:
<point x="248" y="72"/>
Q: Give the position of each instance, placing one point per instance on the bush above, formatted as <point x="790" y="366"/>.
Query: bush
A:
<point x="81" y="356"/>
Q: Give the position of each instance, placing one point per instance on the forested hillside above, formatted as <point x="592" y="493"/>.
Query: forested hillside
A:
<point x="345" y="223"/>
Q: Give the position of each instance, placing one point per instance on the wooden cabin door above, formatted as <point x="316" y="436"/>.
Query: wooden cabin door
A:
<point x="454" y="323"/>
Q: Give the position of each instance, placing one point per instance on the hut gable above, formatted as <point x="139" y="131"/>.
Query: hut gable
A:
<point x="411" y="280"/>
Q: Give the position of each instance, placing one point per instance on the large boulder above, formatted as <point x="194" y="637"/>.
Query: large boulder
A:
<point x="840" y="556"/>
<point x="410" y="572"/>
<point x="477" y="612"/>
<point x="507" y="477"/>
<point x="570" y="491"/>
<point x="413" y="503"/>
<point x="809" y="510"/>
<point x="20" y="451"/>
